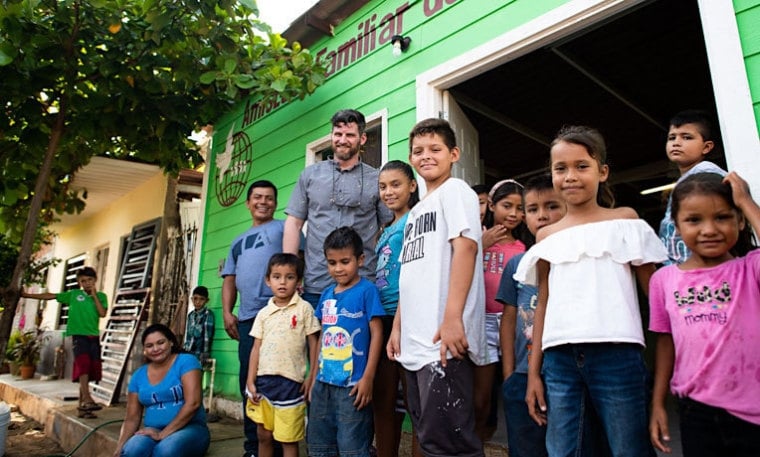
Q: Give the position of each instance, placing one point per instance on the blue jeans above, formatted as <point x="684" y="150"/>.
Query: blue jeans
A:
<point x="525" y="437"/>
<point x="245" y="345"/>
<point x="707" y="431"/>
<point x="335" y="426"/>
<point x="610" y="377"/>
<point x="311" y="298"/>
<point x="192" y="440"/>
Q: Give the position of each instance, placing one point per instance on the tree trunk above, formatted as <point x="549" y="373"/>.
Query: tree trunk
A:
<point x="12" y="294"/>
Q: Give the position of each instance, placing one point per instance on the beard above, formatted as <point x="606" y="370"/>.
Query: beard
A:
<point x="344" y="154"/>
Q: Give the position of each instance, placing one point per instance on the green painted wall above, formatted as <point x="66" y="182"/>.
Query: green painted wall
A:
<point x="440" y="30"/>
<point x="747" y="20"/>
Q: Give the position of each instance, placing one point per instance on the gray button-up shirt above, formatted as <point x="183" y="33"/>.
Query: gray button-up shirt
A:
<point x="327" y="198"/>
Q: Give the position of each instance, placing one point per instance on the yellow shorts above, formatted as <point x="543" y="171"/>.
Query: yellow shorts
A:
<point x="287" y="423"/>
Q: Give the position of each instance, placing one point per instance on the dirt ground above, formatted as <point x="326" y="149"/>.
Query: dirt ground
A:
<point x="26" y="438"/>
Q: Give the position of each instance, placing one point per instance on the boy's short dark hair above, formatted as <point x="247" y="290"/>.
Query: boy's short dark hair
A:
<point x="434" y="125"/>
<point x="201" y="290"/>
<point x="261" y="183"/>
<point x="539" y="183"/>
<point x="349" y="116"/>
<point x="285" y="258"/>
<point x="702" y="119"/>
<point x="87" y="271"/>
<point x="480" y="189"/>
<point x="344" y="237"/>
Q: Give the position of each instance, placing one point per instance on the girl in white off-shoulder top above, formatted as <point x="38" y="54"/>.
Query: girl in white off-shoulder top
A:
<point x="587" y="319"/>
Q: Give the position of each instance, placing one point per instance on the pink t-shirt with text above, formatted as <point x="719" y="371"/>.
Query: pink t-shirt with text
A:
<point x="495" y="259"/>
<point x="714" y="317"/>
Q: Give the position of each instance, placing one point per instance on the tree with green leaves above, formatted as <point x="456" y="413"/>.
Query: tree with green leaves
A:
<point x="127" y="79"/>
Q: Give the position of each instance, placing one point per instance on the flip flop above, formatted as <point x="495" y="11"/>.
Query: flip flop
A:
<point x="85" y="414"/>
<point x="90" y="406"/>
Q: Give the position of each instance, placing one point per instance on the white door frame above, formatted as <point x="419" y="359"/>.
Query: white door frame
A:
<point x="729" y="76"/>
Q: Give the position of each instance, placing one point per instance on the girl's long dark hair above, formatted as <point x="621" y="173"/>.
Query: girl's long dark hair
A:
<point x="506" y="189"/>
<point x="711" y="184"/>
<point x="593" y="141"/>
<point x="405" y="168"/>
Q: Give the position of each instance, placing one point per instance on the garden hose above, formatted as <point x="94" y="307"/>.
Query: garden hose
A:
<point x="86" y="437"/>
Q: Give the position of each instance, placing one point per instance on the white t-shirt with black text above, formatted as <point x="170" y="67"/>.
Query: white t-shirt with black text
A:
<point x="448" y="212"/>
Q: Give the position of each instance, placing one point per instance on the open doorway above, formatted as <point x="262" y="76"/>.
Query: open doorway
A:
<point x="625" y="75"/>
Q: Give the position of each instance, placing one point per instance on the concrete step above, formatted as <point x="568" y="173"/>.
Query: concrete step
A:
<point x="53" y="403"/>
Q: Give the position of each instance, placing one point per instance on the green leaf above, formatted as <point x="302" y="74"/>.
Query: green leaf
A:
<point x="245" y="81"/>
<point x="280" y="84"/>
<point x="251" y="5"/>
<point x="230" y="65"/>
<point x="208" y="77"/>
<point x="8" y="52"/>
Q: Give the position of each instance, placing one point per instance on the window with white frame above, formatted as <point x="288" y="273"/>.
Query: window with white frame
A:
<point x="374" y="152"/>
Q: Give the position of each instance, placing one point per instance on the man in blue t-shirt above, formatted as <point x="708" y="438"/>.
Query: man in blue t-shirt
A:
<point x="244" y="271"/>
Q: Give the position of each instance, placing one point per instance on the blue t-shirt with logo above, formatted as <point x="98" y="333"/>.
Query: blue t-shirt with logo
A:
<point x="248" y="259"/>
<point x="163" y="401"/>
<point x="345" y="316"/>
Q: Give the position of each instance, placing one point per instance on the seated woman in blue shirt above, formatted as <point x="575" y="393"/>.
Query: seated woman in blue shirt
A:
<point x="167" y="390"/>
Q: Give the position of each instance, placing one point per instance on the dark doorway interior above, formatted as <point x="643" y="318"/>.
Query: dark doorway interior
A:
<point x="625" y="76"/>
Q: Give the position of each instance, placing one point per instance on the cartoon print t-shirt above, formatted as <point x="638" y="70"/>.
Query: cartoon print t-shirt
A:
<point x="345" y="342"/>
<point x="389" y="264"/>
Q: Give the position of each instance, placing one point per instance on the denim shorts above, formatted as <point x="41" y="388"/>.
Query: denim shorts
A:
<point x="335" y="426"/>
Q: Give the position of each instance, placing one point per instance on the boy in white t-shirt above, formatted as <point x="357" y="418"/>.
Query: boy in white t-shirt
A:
<point x="438" y="331"/>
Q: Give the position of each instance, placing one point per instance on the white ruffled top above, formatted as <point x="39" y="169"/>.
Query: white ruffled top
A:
<point x="592" y="288"/>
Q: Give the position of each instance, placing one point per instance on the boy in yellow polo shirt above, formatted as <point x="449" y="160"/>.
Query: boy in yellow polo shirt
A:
<point x="277" y="368"/>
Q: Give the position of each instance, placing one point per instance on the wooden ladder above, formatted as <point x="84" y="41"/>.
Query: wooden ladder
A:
<point x="117" y="341"/>
<point x="137" y="263"/>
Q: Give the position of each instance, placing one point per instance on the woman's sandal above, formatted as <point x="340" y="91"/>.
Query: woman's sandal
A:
<point x="90" y="406"/>
<point x="85" y="414"/>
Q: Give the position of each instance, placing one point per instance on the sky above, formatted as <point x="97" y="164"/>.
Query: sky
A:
<point x="280" y="13"/>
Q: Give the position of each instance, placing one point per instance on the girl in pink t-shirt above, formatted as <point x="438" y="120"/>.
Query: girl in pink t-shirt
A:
<point x="501" y="241"/>
<point x="706" y="312"/>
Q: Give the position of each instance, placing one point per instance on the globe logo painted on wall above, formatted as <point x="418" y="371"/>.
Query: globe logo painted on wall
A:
<point x="233" y="166"/>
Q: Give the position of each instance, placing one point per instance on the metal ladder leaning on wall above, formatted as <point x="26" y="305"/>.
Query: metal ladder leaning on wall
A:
<point x="129" y="306"/>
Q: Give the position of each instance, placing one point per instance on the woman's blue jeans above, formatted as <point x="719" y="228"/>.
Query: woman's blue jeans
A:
<point x="610" y="377"/>
<point x="190" y="441"/>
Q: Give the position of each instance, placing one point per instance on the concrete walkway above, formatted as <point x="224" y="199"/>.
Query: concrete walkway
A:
<point x="53" y="404"/>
